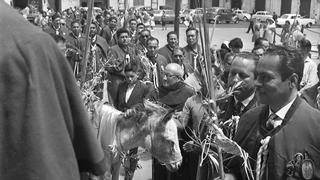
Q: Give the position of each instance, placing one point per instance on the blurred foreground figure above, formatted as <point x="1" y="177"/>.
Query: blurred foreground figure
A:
<point x="44" y="130"/>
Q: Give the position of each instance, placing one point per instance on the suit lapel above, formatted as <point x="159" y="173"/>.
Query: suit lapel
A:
<point x="251" y="104"/>
<point x="134" y="92"/>
<point x="288" y="116"/>
<point x="123" y="92"/>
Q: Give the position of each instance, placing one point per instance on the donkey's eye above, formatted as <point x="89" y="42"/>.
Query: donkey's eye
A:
<point x="172" y="149"/>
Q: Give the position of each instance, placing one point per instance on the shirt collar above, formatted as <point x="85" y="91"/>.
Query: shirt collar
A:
<point x="281" y="113"/>
<point x="94" y="39"/>
<point x="307" y="59"/>
<point x="246" y="101"/>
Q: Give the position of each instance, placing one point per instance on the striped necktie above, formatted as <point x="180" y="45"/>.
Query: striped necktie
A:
<point x="273" y="121"/>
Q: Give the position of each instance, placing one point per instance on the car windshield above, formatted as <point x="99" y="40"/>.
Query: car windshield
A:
<point x="169" y="12"/>
<point x="212" y="10"/>
<point x="285" y="16"/>
<point x="157" y="11"/>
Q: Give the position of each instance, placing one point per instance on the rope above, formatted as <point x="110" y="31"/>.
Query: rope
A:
<point x="262" y="154"/>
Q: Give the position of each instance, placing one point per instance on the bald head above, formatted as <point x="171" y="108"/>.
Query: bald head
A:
<point x="174" y="69"/>
<point x="173" y="74"/>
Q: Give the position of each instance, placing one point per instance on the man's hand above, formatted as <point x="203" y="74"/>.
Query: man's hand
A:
<point x="190" y="147"/>
<point x="227" y="176"/>
<point x="129" y="113"/>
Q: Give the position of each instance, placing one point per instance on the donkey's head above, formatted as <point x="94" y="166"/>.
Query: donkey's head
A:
<point x="163" y="139"/>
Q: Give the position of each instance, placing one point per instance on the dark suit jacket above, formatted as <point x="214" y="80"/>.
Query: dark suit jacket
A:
<point x="190" y="58"/>
<point x="139" y="93"/>
<point x="299" y="133"/>
<point x="166" y="52"/>
<point x="228" y="106"/>
<point x="50" y="30"/>
<point x="106" y="33"/>
<point x="310" y="95"/>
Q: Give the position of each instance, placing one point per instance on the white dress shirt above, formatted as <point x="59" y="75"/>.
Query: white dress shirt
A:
<point x="281" y="113"/>
<point x="129" y="92"/>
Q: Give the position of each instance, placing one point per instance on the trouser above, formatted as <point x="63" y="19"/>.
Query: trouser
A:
<point x="133" y="161"/>
<point x="250" y="27"/>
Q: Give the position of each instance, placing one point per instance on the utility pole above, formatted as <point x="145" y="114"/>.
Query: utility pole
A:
<point x="177" y="16"/>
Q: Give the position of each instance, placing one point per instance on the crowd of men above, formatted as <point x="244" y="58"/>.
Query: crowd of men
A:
<point x="277" y="101"/>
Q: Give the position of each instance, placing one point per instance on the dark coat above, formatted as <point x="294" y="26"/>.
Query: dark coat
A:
<point x="176" y="95"/>
<point x="101" y="57"/>
<point x="51" y="30"/>
<point x="116" y="75"/>
<point x="310" y="95"/>
<point x="45" y="132"/>
<point x="107" y="34"/>
<point x="229" y="109"/>
<point x="76" y="47"/>
<point x="299" y="133"/>
<point x="166" y="52"/>
<point x="191" y="58"/>
<point x="161" y="64"/>
<point x="139" y="93"/>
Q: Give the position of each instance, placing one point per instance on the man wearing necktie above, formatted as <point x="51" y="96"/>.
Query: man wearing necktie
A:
<point x="242" y="70"/>
<point x="287" y="124"/>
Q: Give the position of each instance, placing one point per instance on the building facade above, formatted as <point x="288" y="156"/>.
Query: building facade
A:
<point x="308" y="8"/>
<point x="57" y="5"/>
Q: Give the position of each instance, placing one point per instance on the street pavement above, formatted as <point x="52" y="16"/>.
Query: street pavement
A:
<point x="223" y="32"/>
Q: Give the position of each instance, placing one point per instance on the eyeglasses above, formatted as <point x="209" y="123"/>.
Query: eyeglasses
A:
<point x="145" y="36"/>
<point x="169" y="75"/>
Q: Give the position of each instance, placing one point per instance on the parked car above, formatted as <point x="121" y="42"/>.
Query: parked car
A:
<point x="307" y="22"/>
<point x="96" y="10"/>
<point x="184" y="14"/>
<point x="262" y="15"/>
<point x="242" y="15"/>
<point x="158" y="14"/>
<point x="220" y="15"/>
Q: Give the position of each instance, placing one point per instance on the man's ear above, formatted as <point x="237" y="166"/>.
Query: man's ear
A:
<point x="293" y="80"/>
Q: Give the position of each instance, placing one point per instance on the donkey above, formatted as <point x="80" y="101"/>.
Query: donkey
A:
<point x="152" y="128"/>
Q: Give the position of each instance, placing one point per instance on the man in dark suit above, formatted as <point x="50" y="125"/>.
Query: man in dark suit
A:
<point x="131" y="94"/>
<point x="192" y="49"/>
<point x="75" y="46"/>
<point x="54" y="28"/>
<point x="132" y="91"/>
<point x="121" y="54"/>
<point x="288" y="125"/>
<point x="242" y="70"/>
<point x="108" y="32"/>
<point x="167" y="50"/>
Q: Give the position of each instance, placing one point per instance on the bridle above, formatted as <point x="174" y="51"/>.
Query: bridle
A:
<point x="162" y="162"/>
<point x="124" y="155"/>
